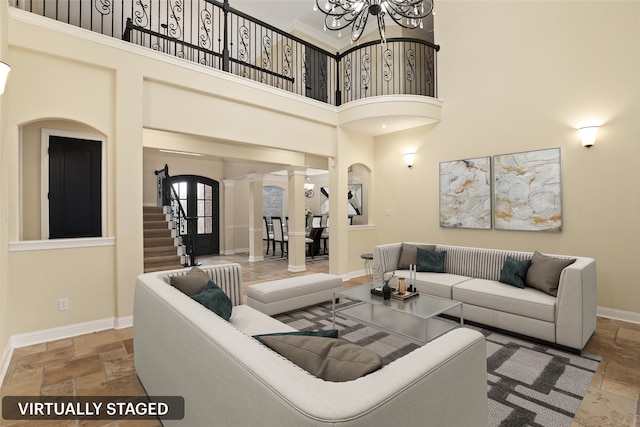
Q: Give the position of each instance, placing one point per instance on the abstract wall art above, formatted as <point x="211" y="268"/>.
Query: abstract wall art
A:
<point x="527" y="191"/>
<point x="465" y="193"/>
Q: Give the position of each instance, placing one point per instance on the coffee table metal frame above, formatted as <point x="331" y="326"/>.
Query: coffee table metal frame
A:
<point x="417" y="319"/>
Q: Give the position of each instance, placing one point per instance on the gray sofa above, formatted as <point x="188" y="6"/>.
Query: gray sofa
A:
<point x="228" y="378"/>
<point x="472" y="277"/>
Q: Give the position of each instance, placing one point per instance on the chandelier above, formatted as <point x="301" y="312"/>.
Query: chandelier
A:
<point x="342" y="13"/>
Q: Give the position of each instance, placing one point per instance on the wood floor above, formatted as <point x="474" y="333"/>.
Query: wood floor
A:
<point x="102" y="363"/>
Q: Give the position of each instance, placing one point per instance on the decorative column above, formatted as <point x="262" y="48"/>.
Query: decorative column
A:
<point x="255" y="217"/>
<point x="295" y="210"/>
<point x="228" y="224"/>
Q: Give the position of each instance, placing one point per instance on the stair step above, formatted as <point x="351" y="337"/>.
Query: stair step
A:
<point x="162" y="268"/>
<point x="152" y="209"/>
<point x="154" y="217"/>
<point x="150" y="242"/>
<point x="162" y="260"/>
<point x="160" y="232"/>
<point x="150" y="225"/>
<point x="153" y="251"/>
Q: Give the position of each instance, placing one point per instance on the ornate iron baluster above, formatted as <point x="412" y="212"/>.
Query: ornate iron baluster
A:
<point x="365" y="72"/>
<point x="141" y="16"/>
<point x="266" y="49"/>
<point x="387" y="73"/>
<point x="243" y="47"/>
<point x="175" y="29"/>
<point x="411" y="65"/>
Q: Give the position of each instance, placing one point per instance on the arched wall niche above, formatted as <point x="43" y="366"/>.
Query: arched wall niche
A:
<point x="359" y="185"/>
<point x="32" y="197"/>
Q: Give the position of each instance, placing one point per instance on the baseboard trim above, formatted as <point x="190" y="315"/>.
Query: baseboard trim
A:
<point x="6" y="359"/>
<point x="612" y="313"/>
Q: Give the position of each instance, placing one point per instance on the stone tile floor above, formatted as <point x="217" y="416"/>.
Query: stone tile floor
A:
<point x="101" y="363"/>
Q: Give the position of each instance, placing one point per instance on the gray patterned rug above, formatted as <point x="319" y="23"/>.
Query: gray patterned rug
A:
<point x="528" y="384"/>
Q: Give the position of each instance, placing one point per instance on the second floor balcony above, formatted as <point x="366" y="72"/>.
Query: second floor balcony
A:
<point x="213" y="34"/>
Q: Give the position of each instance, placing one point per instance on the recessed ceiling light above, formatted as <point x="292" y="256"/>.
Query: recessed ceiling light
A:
<point x="383" y="126"/>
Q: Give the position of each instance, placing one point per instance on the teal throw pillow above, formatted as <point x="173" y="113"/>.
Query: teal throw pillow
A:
<point x="431" y="261"/>
<point x="215" y="300"/>
<point x="514" y="272"/>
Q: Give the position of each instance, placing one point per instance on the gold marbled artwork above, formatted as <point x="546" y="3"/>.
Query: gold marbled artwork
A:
<point x="528" y="191"/>
<point x="465" y="193"/>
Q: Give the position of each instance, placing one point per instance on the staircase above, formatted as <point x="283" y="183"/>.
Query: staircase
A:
<point x="160" y="250"/>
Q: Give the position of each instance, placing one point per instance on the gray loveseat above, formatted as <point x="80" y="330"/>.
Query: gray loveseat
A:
<point x="471" y="275"/>
<point x="228" y="378"/>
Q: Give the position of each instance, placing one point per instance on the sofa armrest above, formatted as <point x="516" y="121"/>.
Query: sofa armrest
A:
<point x="385" y="258"/>
<point x="576" y="304"/>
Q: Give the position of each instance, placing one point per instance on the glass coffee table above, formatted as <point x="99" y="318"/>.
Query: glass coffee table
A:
<point x="417" y="319"/>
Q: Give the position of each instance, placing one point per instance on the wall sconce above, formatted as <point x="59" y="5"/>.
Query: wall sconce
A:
<point x="4" y="73"/>
<point x="409" y="157"/>
<point x="588" y="135"/>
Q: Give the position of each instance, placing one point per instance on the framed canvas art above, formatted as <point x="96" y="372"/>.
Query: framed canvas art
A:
<point x="465" y="193"/>
<point x="527" y="191"/>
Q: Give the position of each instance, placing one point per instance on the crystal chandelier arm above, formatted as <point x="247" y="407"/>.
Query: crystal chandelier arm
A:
<point x="408" y="13"/>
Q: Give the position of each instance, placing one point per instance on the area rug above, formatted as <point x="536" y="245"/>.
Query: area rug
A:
<point x="528" y="384"/>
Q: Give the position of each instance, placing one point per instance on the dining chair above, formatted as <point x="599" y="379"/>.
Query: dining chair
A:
<point x="279" y="235"/>
<point x="268" y="235"/>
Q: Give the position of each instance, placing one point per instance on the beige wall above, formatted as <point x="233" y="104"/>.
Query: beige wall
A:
<point x="514" y="76"/>
<point x="518" y="76"/>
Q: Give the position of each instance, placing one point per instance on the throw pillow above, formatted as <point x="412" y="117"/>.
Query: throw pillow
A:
<point x="544" y="272"/>
<point x="329" y="333"/>
<point x="432" y="261"/>
<point x="514" y="272"/>
<point x="192" y="283"/>
<point x="327" y="358"/>
<point x="215" y="300"/>
<point x="409" y="254"/>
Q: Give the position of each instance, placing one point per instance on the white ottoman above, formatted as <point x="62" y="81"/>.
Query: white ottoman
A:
<point x="292" y="293"/>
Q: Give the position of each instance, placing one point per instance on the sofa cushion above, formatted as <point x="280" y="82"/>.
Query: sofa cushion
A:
<point x="431" y="261"/>
<point x="409" y="254"/>
<point x="527" y="302"/>
<point x="513" y="272"/>
<point x="192" y="283"/>
<point x="477" y="262"/>
<point x="327" y="358"/>
<point x="544" y="272"/>
<point x="215" y="300"/>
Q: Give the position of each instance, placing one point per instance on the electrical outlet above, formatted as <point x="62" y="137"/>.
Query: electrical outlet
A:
<point x="63" y="304"/>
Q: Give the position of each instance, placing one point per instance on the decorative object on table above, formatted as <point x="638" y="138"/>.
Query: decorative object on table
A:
<point x="386" y="288"/>
<point x="402" y="285"/>
<point x="528" y="191"/>
<point x="404" y="295"/>
<point x="465" y="193"/>
<point x="377" y="291"/>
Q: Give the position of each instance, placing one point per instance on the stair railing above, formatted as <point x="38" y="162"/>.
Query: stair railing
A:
<point x="186" y="226"/>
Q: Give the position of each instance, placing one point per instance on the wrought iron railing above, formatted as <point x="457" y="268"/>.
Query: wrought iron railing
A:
<point x="185" y="226"/>
<point x="214" y="34"/>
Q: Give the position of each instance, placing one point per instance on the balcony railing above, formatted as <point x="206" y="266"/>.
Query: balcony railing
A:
<point x="216" y="35"/>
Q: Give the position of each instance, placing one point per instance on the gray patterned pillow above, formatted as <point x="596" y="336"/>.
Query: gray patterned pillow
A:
<point x="544" y="272"/>
<point x="192" y="283"/>
<point x="327" y="358"/>
<point x="409" y="254"/>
